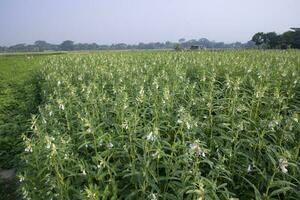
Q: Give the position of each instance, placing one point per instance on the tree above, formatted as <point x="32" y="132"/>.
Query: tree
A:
<point x="181" y="40"/>
<point x="41" y="45"/>
<point x="177" y="47"/>
<point x="295" y="40"/>
<point x="67" y="45"/>
<point x="258" y="38"/>
<point x="286" y="39"/>
<point x="271" y="39"/>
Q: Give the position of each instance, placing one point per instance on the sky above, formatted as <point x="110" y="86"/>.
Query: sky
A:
<point x="134" y="21"/>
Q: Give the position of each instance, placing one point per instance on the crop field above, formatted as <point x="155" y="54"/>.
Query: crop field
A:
<point x="18" y="99"/>
<point x="164" y="125"/>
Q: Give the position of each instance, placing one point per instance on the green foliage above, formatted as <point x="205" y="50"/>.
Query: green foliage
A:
<point x="258" y="38"/>
<point x="18" y="99"/>
<point x="67" y="45"/>
<point x="289" y="39"/>
<point x="166" y="125"/>
<point x="177" y="47"/>
<point x="17" y="102"/>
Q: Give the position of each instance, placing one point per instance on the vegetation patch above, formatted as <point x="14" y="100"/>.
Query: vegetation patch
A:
<point x="166" y="125"/>
<point x="18" y="100"/>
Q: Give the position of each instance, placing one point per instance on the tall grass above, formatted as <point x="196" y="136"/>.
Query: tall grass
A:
<point x="166" y="125"/>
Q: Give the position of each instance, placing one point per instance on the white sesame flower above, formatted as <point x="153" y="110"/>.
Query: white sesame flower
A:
<point x="249" y="169"/>
<point x="58" y="83"/>
<point x="228" y="84"/>
<point x="272" y="125"/>
<point x="61" y="106"/>
<point x="179" y="121"/>
<point x="28" y="149"/>
<point x="203" y="154"/>
<point x="125" y="125"/>
<point x="188" y="125"/>
<point x="195" y="148"/>
<point x="50" y="113"/>
<point x="141" y="92"/>
<point x="259" y="76"/>
<point x="153" y="196"/>
<point x="89" y="130"/>
<point x="83" y="173"/>
<point x="151" y="137"/>
<point x="21" y="179"/>
<point x="155" y="154"/>
<point x="110" y="145"/>
<point x="283" y="164"/>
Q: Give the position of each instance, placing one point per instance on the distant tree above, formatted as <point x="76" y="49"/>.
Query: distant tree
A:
<point x="41" y="45"/>
<point x="250" y="44"/>
<point x="203" y="42"/>
<point x="237" y="45"/>
<point x="67" y="45"/>
<point x="169" y="45"/>
<point x="18" y="47"/>
<point x="258" y="38"/>
<point x="289" y="39"/>
<point x="177" y="47"/>
<point x="141" y="45"/>
<point x="295" y="29"/>
<point x="220" y="45"/>
<point x="194" y="47"/>
<point x="295" y="43"/>
<point x="181" y="40"/>
<point x="271" y="39"/>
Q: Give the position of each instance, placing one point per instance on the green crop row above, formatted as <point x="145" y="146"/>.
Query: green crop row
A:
<point x="166" y="125"/>
<point x="18" y="99"/>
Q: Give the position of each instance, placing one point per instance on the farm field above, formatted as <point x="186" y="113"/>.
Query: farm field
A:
<point x="18" y="100"/>
<point x="154" y="125"/>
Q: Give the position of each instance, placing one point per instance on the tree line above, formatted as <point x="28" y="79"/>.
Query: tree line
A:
<point x="272" y="40"/>
<point x="68" y="45"/>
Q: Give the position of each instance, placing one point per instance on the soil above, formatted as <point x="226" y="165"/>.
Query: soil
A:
<point x="8" y="184"/>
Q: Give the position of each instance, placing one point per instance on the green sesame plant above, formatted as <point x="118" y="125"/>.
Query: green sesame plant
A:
<point x="166" y="125"/>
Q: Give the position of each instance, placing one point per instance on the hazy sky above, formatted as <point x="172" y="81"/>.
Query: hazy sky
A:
<point x="133" y="21"/>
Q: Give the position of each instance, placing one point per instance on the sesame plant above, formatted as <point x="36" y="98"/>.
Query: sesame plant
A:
<point x="166" y="125"/>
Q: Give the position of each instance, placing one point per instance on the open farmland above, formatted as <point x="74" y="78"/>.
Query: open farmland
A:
<point x="165" y="125"/>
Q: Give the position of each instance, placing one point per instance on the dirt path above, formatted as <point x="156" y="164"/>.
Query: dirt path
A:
<point x="7" y="174"/>
<point x="8" y="182"/>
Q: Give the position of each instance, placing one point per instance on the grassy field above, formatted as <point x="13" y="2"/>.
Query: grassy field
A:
<point x="155" y="125"/>
<point x="19" y="98"/>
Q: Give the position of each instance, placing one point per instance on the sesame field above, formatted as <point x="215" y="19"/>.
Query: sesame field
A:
<point x="163" y="125"/>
